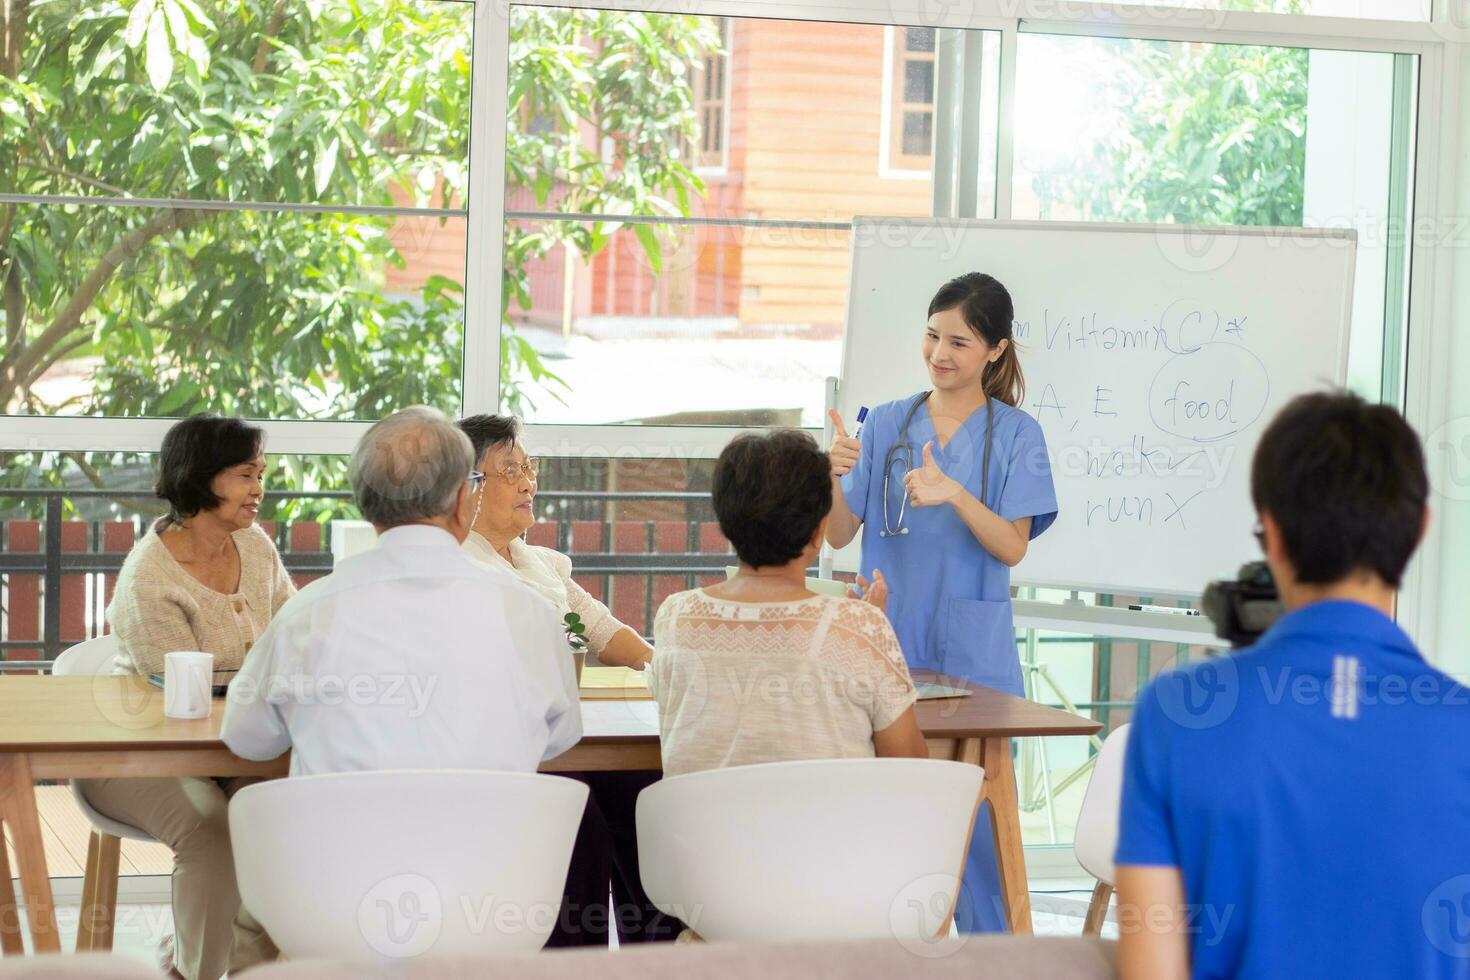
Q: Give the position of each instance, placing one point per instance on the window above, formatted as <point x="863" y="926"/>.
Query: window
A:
<point x="711" y="101"/>
<point x="331" y="143"/>
<point x="910" y="94"/>
<point x="713" y="298"/>
<point x="1130" y="130"/>
<point x="1376" y="9"/>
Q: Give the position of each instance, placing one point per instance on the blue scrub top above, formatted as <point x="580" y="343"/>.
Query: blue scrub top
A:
<point x="1314" y="792"/>
<point x="949" y="599"/>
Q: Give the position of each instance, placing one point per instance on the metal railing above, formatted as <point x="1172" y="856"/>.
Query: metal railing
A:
<point x="53" y="564"/>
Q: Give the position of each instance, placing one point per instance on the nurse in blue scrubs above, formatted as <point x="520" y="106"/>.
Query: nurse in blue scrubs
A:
<point x="950" y="485"/>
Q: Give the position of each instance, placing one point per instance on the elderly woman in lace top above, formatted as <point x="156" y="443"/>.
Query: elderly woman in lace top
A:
<point x="759" y="668"/>
<point x="507" y="510"/>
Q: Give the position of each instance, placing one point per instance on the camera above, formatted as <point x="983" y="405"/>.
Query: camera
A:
<point x="1245" y="607"/>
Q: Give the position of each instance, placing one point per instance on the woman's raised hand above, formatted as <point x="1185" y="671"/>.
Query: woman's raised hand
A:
<point x="845" y="450"/>
<point x="928" y="486"/>
<point x="876" y="593"/>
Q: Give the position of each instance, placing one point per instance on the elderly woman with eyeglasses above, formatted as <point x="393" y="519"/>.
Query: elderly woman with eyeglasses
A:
<point x="605" y="858"/>
<point x="506" y="510"/>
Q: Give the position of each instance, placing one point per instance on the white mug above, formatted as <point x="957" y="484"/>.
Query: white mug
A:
<point x="188" y="683"/>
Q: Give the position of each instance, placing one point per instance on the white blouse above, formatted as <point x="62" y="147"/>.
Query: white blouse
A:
<point x="548" y="573"/>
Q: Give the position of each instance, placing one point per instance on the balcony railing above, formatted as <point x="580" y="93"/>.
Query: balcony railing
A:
<point x="58" y="575"/>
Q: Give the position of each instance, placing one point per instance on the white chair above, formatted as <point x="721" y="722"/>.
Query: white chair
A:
<point x="104" y="848"/>
<point x="816" y="850"/>
<point x="388" y="865"/>
<point x="1097" y="826"/>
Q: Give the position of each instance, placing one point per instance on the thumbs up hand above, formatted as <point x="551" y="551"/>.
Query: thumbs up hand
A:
<point x="928" y="486"/>
<point x="845" y="450"/>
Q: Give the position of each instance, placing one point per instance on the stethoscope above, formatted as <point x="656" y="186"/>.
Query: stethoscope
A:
<point x="903" y="446"/>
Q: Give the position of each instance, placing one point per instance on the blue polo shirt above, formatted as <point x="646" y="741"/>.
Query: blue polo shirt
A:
<point x="1314" y="791"/>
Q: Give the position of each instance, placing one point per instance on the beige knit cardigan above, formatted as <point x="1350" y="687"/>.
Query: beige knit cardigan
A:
<point x="158" y="607"/>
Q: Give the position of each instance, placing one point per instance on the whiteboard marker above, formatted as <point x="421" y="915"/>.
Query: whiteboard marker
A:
<point x="1172" y="610"/>
<point x="862" y="417"/>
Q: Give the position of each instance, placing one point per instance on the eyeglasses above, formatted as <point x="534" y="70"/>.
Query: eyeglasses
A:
<point x="476" y="481"/>
<point x="513" y="473"/>
<point x="1260" y="534"/>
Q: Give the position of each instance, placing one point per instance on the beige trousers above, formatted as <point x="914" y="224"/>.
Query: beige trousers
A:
<point x="212" y="931"/>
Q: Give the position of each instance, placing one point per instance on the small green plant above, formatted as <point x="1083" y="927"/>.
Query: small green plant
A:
<point x="576" y="632"/>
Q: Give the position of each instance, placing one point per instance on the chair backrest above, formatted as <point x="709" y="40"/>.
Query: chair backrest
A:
<point x="814" y="850"/>
<point x="389" y="865"/>
<point x="94" y="656"/>
<point x="1097" y="823"/>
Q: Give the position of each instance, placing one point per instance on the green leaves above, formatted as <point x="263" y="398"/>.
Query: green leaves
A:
<point x="160" y="56"/>
<point x="1212" y="134"/>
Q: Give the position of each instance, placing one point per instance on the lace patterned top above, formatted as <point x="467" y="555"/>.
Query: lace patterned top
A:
<point x="739" y="683"/>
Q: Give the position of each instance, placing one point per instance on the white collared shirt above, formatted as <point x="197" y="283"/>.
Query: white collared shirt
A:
<point x="409" y="656"/>
<point x="548" y="573"/>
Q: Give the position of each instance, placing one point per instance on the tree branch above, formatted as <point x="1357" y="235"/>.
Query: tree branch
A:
<point x="15" y="306"/>
<point x="17" y="365"/>
<point x="272" y="28"/>
<point x="79" y="178"/>
<point x="13" y="17"/>
<point x="49" y="362"/>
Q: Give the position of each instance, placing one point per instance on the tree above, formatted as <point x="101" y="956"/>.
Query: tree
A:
<point x="333" y="102"/>
<point x="1201" y="133"/>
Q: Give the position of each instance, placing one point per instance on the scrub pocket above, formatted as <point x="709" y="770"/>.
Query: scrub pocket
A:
<point x="979" y="644"/>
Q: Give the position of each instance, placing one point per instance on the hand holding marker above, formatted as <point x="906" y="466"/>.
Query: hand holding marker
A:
<point x="844" y="456"/>
<point x="845" y="449"/>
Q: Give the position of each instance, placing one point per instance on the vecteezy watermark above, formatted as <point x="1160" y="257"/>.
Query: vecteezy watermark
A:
<point x="128" y="701"/>
<point x="1445" y="917"/>
<point x="922" y="913"/>
<point x="1207" y="920"/>
<point x="407" y="915"/>
<point x="1205" y="14"/>
<point x="1447" y="451"/>
<point x="401" y="916"/>
<point x="406" y="691"/>
<point x="1200" y="696"/>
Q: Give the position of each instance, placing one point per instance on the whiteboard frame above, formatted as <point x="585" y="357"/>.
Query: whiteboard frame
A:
<point x="1347" y="238"/>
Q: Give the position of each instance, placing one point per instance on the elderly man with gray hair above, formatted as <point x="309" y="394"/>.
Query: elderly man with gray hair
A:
<point x="411" y="655"/>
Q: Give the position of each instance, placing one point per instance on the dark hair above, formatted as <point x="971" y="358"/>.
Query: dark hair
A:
<point x="1346" y="482"/>
<point x="488" y="431"/>
<point x="195" y="450"/>
<point x="771" y="491"/>
<point x="986" y="308"/>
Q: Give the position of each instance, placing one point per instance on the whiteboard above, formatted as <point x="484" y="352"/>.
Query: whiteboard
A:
<point x="1154" y="356"/>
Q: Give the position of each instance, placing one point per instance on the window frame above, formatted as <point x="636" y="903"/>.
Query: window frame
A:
<point x="703" y="166"/>
<point x="1426" y="383"/>
<point x="894" y="163"/>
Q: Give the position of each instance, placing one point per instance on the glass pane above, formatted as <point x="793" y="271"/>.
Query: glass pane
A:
<point x="1127" y="130"/>
<point x="266" y="315"/>
<point x="321" y="101"/>
<point x="918" y="38"/>
<point x="806" y="107"/>
<point x="918" y="138"/>
<point x="705" y="326"/>
<point x="918" y="85"/>
<point x="1376" y="9"/>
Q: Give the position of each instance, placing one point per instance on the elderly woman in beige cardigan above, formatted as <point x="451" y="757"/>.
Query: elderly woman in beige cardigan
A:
<point x="206" y="577"/>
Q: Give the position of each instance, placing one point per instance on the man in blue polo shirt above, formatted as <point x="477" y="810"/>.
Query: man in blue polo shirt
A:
<point x="1301" y="808"/>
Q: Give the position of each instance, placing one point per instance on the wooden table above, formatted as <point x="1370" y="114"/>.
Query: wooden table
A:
<point x="110" y="726"/>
